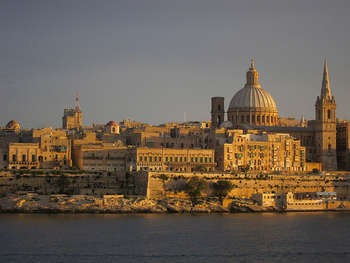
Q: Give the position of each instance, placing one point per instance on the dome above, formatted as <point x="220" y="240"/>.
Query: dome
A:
<point x="112" y="123"/>
<point x="253" y="97"/>
<point x="13" y="125"/>
<point x="253" y="105"/>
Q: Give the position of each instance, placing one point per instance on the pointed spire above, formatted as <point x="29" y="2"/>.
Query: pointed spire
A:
<point x="325" y="91"/>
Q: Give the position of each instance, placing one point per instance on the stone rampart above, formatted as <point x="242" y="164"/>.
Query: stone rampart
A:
<point x="165" y="184"/>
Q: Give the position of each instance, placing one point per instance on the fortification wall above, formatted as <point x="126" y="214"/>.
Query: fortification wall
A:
<point x="165" y="184"/>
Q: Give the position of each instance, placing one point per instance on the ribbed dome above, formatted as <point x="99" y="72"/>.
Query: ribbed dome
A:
<point x="253" y="97"/>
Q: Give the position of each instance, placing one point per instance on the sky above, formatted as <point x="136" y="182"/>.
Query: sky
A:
<point x="157" y="60"/>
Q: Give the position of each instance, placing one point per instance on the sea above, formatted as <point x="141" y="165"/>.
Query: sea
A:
<point x="256" y="237"/>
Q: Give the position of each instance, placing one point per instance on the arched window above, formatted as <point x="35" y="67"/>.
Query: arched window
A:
<point x="329" y="147"/>
<point x="329" y="114"/>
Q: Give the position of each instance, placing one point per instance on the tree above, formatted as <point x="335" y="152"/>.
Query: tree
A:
<point x="62" y="182"/>
<point x="222" y="188"/>
<point x="194" y="187"/>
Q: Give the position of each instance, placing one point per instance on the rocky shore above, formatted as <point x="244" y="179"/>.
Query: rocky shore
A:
<point x="91" y="204"/>
<point x="34" y="203"/>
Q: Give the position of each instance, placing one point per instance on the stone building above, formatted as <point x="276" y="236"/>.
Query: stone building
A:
<point x="261" y="152"/>
<point x="254" y="108"/>
<point x="177" y="160"/>
<point x="47" y="148"/>
<point x="343" y="144"/>
<point x="72" y="118"/>
<point x="24" y="156"/>
<point x="101" y="156"/>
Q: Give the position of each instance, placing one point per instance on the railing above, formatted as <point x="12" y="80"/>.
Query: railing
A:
<point x="24" y="163"/>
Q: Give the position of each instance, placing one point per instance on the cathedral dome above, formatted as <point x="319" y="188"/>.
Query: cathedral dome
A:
<point x="14" y="125"/>
<point x="253" y="97"/>
<point x="252" y="105"/>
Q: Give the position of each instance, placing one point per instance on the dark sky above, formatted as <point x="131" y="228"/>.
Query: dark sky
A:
<point x="154" y="60"/>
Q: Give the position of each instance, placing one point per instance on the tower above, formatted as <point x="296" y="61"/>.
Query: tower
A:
<point x="325" y="125"/>
<point x="72" y="118"/>
<point x="217" y="111"/>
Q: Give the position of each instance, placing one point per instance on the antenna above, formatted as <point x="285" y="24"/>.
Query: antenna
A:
<point x="77" y="108"/>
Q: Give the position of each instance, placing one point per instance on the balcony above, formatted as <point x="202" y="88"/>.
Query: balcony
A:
<point x="24" y="163"/>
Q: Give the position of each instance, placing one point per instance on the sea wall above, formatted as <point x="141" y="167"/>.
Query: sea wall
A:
<point x="167" y="184"/>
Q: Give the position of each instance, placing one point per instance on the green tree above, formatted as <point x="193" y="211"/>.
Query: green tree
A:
<point x="222" y="188"/>
<point x="62" y="183"/>
<point x="194" y="187"/>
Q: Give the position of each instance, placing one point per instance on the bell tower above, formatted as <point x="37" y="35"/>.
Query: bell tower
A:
<point x="217" y="111"/>
<point x="325" y="125"/>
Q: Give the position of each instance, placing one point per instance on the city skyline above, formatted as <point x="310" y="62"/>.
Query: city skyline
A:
<point x="154" y="61"/>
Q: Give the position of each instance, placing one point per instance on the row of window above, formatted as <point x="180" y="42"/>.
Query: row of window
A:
<point x="26" y="159"/>
<point x="263" y="118"/>
<point x="174" y="159"/>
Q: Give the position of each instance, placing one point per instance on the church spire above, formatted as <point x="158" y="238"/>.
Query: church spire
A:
<point x="325" y="91"/>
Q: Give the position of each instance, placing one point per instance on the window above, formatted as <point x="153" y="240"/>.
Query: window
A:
<point x="140" y="158"/>
<point x="329" y="114"/>
<point x="192" y="159"/>
<point x="145" y="158"/>
<point x="196" y="159"/>
<point x="4" y="158"/>
<point x="206" y="159"/>
<point x="33" y="158"/>
<point x="150" y="158"/>
<point x="24" y="158"/>
<point x="180" y="159"/>
<point x="242" y="118"/>
<point x="201" y="159"/>
<point x="248" y="118"/>
<point x="171" y="159"/>
<point x="175" y="159"/>
<point x="210" y="159"/>
<point x="160" y="159"/>
<point x="166" y="158"/>
<point x="185" y="159"/>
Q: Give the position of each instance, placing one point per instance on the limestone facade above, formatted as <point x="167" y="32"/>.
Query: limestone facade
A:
<point x="261" y="152"/>
<point x="177" y="160"/>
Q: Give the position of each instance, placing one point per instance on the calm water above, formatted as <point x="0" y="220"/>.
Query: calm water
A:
<point x="293" y="237"/>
